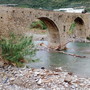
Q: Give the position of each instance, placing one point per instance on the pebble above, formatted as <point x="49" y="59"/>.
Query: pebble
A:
<point x="36" y="73"/>
<point x="40" y="79"/>
<point x="11" y="79"/>
<point x="73" y="87"/>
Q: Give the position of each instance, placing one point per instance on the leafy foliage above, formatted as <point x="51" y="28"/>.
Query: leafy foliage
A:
<point x="38" y="24"/>
<point x="72" y="28"/>
<point x="48" y="4"/>
<point x="15" y="48"/>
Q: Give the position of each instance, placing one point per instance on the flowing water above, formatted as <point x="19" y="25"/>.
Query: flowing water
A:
<point x="79" y="66"/>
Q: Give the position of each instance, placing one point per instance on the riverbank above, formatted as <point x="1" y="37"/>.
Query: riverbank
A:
<point x="12" y="78"/>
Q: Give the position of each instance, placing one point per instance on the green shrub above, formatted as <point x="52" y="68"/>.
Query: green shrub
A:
<point x="38" y="24"/>
<point x="72" y="27"/>
<point x="15" y="48"/>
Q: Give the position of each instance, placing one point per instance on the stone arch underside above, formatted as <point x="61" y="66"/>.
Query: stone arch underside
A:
<point x="53" y="32"/>
<point x="79" y="30"/>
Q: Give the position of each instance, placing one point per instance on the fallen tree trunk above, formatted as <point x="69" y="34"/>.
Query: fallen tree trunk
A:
<point x="74" y="55"/>
<point x="58" y="49"/>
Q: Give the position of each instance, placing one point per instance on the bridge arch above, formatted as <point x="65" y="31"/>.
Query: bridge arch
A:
<point x="79" y="21"/>
<point x="79" y="30"/>
<point x="53" y="34"/>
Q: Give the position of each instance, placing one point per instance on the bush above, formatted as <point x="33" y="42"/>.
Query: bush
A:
<point x="72" y="27"/>
<point x="15" y="48"/>
<point x="38" y="24"/>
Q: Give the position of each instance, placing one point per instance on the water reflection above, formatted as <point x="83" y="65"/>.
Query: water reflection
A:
<point x="76" y="65"/>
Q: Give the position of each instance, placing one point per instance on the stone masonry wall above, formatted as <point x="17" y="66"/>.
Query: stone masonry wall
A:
<point x="18" y="20"/>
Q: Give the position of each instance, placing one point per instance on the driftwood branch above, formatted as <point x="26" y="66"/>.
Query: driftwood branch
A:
<point x="74" y="55"/>
<point x="58" y="49"/>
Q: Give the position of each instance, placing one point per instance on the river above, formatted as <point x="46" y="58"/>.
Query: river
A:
<point x="76" y="65"/>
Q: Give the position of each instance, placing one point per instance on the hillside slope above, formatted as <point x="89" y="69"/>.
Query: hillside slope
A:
<point x="48" y="4"/>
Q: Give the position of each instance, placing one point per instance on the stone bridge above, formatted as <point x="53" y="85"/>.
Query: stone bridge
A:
<point x="19" y="19"/>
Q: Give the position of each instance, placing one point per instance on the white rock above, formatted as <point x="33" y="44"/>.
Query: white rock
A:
<point x="36" y="73"/>
<point x="12" y="79"/>
<point x="81" y="84"/>
<point x="73" y="87"/>
<point x="41" y="89"/>
<point x="39" y="81"/>
<point x="68" y="78"/>
<point x="61" y="80"/>
<point x="19" y="75"/>
<point x="66" y="84"/>
<point x="60" y="68"/>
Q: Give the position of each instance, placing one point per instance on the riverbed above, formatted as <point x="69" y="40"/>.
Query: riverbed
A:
<point x="12" y="78"/>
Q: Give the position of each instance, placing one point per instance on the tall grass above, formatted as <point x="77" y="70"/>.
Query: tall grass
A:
<point x="15" y="48"/>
